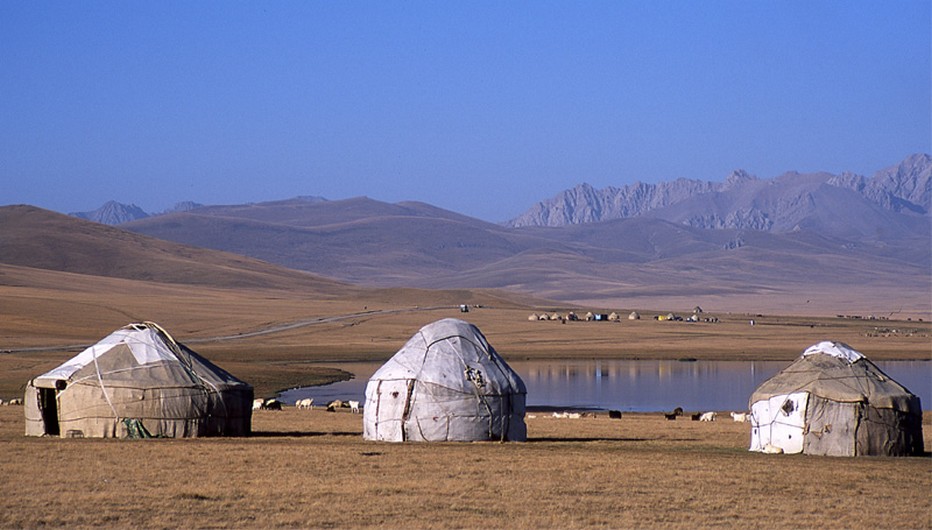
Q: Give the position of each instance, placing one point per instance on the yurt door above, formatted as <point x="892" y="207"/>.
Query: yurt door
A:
<point x="48" y="404"/>
<point x="393" y="402"/>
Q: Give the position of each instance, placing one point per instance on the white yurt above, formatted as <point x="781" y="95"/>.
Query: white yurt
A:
<point x="834" y="401"/>
<point x="138" y="382"/>
<point x="446" y="384"/>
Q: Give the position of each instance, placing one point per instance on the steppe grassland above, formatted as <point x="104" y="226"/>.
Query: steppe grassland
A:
<point x="64" y="317"/>
<point x="314" y="470"/>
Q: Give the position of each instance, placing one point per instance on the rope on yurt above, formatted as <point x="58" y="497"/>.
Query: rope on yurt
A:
<point x="103" y="388"/>
<point x="185" y="361"/>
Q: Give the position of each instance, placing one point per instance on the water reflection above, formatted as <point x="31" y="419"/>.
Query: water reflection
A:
<point x="633" y="385"/>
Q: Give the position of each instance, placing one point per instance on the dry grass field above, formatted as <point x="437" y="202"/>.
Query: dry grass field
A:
<point x="312" y="469"/>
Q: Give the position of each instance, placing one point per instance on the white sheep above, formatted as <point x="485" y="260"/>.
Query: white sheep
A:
<point x="305" y="403"/>
<point x="708" y="416"/>
<point x="257" y="403"/>
<point x="354" y="407"/>
<point x="740" y="417"/>
<point x="771" y="449"/>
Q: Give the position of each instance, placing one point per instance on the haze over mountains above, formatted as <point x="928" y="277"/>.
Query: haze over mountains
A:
<point x="805" y="243"/>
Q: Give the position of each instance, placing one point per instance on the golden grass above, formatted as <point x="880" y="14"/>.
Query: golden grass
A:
<point x="314" y="470"/>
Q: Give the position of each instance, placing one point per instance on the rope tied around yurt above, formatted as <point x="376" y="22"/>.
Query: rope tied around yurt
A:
<point x="103" y="389"/>
<point x="185" y="361"/>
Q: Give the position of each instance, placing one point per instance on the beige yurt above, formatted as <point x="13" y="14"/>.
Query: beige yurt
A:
<point x="446" y="384"/>
<point x="834" y="401"/>
<point x="634" y="315"/>
<point x="138" y="382"/>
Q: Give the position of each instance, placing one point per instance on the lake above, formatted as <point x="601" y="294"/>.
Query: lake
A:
<point x="631" y="385"/>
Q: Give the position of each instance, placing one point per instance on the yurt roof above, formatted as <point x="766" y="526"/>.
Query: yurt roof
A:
<point x="835" y="371"/>
<point x="139" y="354"/>
<point x="440" y="352"/>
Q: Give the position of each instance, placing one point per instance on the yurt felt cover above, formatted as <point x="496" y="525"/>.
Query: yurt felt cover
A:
<point x="140" y="374"/>
<point x="853" y="407"/>
<point x="446" y="384"/>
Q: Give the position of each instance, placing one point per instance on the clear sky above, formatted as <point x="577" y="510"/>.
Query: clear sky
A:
<point x="483" y="108"/>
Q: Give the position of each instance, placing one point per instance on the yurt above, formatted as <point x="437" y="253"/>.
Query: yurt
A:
<point x="834" y="401"/>
<point x="446" y="384"/>
<point x="138" y="382"/>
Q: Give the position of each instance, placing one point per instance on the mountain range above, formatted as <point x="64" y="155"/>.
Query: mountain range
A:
<point x="897" y="198"/>
<point x="812" y="243"/>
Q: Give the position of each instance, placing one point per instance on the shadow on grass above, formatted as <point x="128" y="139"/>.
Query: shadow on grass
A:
<point x="299" y="434"/>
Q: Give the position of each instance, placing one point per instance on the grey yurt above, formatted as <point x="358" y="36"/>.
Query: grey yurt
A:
<point x="834" y="401"/>
<point x="446" y="384"/>
<point x="138" y="382"/>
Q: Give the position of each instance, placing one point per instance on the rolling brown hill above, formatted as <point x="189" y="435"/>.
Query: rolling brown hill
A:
<point x="41" y="239"/>
<point x="639" y="261"/>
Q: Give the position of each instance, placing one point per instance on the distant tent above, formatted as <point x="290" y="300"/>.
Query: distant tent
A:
<point x="138" y="382"/>
<point x="834" y="401"/>
<point x="613" y="316"/>
<point x="446" y="384"/>
<point x="532" y="316"/>
<point x="634" y="316"/>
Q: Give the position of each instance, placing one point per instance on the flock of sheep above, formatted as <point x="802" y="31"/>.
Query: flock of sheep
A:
<point x="306" y="404"/>
<point x="740" y="417"/>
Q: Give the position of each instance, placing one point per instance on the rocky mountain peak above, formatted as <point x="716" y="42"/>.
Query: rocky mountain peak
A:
<point x="113" y="213"/>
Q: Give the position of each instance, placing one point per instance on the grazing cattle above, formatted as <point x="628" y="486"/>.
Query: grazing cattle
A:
<point x="306" y="403"/>
<point x="334" y="405"/>
<point x="354" y="407"/>
<point x="614" y="414"/>
<point x="708" y="416"/>
<point x="740" y="417"/>
<point x="272" y="404"/>
<point x="696" y="416"/>
<point x="670" y="417"/>
<point x="257" y="403"/>
<point x="678" y="411"/>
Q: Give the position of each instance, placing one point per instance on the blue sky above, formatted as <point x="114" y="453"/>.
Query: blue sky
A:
<point x="483" y="108"/>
